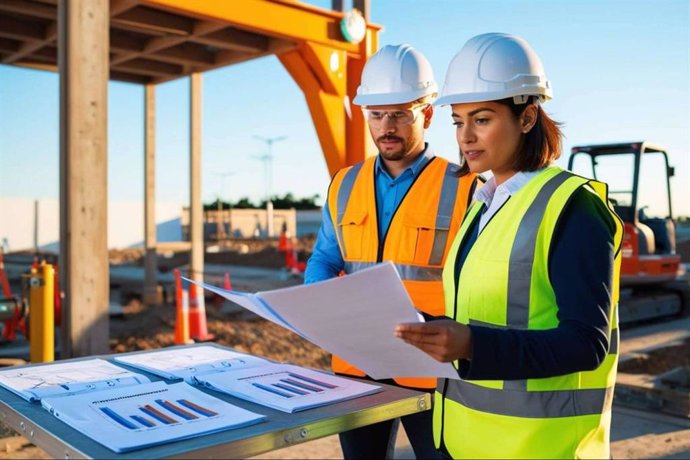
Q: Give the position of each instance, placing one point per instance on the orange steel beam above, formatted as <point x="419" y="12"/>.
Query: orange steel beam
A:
<point x="325" y="66"/>
<point x="280" y="18"/>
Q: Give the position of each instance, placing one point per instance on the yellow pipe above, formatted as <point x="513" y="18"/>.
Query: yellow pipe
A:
<point x="42" y="316"/>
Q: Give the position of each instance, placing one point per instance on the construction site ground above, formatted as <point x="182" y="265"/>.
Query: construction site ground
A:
<point x="636" y="433"/>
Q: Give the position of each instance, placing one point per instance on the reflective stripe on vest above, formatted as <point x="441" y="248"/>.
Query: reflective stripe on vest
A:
<point x="528" y="404"/>
<point x="511" y="255"/>
<point x="343" y="198"/>
<point x="407" y="272"/>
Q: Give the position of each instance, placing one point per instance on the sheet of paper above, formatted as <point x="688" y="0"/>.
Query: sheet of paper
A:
<point x="354" y="317"/>
<point x="125" y="419"/>
<point x="286" y="387"/>
<point x="246" y="300"/>
<point x="187" y="362"/>
<point x="35" y="382"/>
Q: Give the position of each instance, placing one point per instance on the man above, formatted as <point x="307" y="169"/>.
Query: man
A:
<point x="404" y="205"/>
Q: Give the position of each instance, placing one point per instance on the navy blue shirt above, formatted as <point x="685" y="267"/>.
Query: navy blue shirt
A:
<point x="580" y="268"/>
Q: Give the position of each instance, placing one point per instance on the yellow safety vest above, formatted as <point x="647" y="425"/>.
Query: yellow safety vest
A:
<point x="504" y="283"/>
<point x="418" y="238"/>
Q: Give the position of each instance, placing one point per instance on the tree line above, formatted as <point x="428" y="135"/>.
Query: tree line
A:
<point x="287" y="201"/>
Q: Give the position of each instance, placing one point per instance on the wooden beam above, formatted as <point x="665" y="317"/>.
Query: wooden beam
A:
<point x="23" y="7"/>
<point x="30" y="47"/>
<point x="148" y="67"/>
<point x="159" y="43"/>
<point x="185" y="54"/>
<point x="125" y="43"/>
<point x="234" y="39"/>
<point x="130" y="77"/>
<point x="21" y="29"/>
<point x="8" y="45"/>
<point x="30" y="64"/>
<point x="196" y="217"/>
<point x="83" y="61"/>
<point x="151" y="295"/>
<point x="120" y="6"/>
<point x="148" y="19"/>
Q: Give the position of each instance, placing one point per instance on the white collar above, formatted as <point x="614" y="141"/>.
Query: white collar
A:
<point x="509" y="188"/>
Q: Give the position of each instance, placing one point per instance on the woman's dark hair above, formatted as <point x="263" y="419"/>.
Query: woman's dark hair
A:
<point x="539" y="147"/>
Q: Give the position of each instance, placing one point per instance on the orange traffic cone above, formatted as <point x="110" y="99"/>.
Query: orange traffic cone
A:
<point x="289" y="255"/>
<point x="181" y="314"/>
<point x="197" y="315"/>
<point x="283" y="241"/>
<point x="226" y="282"/>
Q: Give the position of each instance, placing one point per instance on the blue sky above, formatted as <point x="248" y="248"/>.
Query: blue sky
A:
<point x="619" y="69"/>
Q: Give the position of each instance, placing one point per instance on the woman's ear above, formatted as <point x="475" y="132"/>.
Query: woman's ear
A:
<point x="528" y="118"/>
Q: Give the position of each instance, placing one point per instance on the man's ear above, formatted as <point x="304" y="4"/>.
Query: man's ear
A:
<point x="428" y="114"/>
<point x="528" y="118"/>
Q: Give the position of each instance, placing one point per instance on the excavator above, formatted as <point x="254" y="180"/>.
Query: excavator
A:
<point x="639" y="178"/>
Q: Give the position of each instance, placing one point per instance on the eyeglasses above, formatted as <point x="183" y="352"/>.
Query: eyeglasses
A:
<point x="397" y="117"/>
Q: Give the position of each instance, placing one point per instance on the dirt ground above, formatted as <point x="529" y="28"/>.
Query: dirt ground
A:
<point x="659" y="361"/>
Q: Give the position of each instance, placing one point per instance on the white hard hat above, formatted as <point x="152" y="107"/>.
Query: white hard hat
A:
<point x="396" y="74"/>
<point x="495" y="66"/>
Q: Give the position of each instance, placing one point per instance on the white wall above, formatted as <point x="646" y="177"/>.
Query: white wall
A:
<point x="125" y="223"/>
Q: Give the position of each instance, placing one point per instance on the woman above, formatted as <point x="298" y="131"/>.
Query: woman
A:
<point x="531" y="282"/>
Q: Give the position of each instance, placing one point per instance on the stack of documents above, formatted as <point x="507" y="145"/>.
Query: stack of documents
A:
<point x="283" y="387"/>
<point x="123" y="410"/>
<point x="352" y="316"/>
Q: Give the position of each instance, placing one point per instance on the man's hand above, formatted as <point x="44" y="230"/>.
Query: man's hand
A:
<point x="444" y="340"/>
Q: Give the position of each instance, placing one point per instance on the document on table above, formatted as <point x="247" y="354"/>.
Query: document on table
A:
<point x="124" y="419"/>
<point x="187" y="362"/>
<point x="37" y="381"/>
<point x="353" y="316"/>
<point x="284" y="387"/>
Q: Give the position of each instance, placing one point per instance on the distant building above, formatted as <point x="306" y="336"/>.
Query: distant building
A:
<point x="241" y="223"/>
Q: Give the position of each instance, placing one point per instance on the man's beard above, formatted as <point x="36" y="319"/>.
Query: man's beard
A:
<point x="398" y="154"/>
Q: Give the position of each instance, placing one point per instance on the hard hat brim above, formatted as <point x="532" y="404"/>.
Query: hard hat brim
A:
<point x="393" y="98"/>
<point x="463" y="98"/>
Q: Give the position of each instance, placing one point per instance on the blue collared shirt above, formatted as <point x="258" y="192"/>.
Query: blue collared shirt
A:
<point x="326" y="260"/>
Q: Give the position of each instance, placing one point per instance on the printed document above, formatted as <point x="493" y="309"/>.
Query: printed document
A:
<point x="124" y="419"/>
<point x="283" y="387"/>
<point x="37" y="381"/>
<point x="187" y="362"/>
<point x="352" y="316"/>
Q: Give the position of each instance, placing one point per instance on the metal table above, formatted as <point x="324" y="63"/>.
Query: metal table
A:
<point x="279" y="430"/>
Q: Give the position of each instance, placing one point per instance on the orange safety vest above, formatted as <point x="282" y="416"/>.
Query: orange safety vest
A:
<point x="417" y="241"/>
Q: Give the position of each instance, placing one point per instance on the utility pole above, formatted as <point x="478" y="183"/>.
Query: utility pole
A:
<point x="220" y="222"/>
<point x="267" y="158"/>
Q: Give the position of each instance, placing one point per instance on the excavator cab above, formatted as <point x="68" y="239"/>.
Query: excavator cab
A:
<point x="639" y="178"/>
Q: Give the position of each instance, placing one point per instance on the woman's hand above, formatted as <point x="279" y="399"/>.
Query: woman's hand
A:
<point x="444" y="340"/>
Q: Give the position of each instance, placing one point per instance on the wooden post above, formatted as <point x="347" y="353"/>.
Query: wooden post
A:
<point x="196" y="222"/>
<point x="151" y="294"/>
<point x="83" y="45"/>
